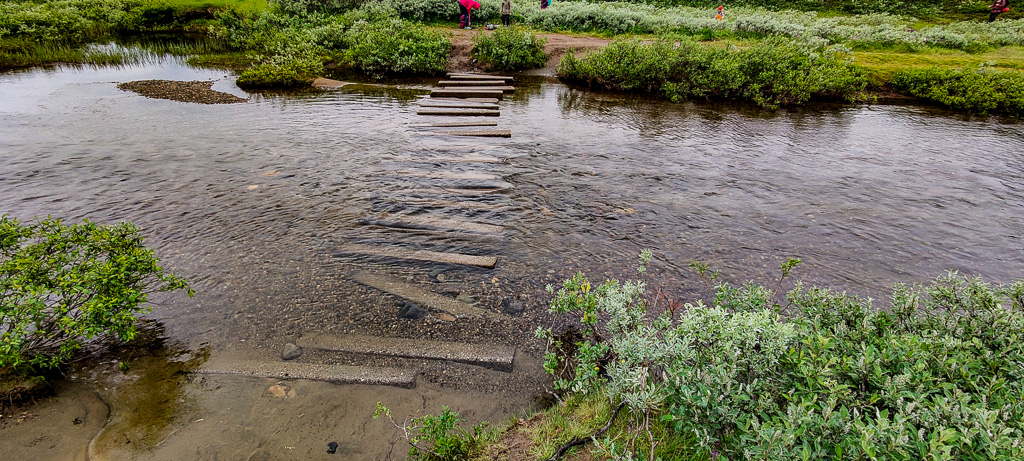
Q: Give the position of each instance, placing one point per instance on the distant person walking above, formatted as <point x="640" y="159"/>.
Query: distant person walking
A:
<point x="544" y="4"/>
<point x="720" y="13"/>
<point x="506" y="12"/>
<point x="997" y="7"/>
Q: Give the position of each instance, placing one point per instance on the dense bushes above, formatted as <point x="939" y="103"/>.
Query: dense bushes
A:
<point x="770" y="74"/>
<point x="61" y="285"/>
<point x="976" y="91"/>
<point x="818" y="375"/>
<point x="394" y="46"/>
<point x="509" y="48"/>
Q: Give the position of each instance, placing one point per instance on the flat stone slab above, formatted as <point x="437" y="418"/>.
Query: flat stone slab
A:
<point x="459" y="105"/>
<point x="451" y="159"/>
<point x="503" y="88"/>
<point x="479" y="133"/>
<point x="430" y="202"/>
<point x="492" y="356"/>
<point x="470" y="83"/>
<point x="422" y="255"/>
<point x="449" y="175"/>
<point x="328" y="84"/>
<point x="457" y="124"/>
<point x="432" y="223"/>
<point x="424" y="298"/>
<point x="484" y="100"/>
<point x="469" y="76"/>
<point x="467" y="93"/>
<point x="459" y="112"/>
<point x="338" y="374"/>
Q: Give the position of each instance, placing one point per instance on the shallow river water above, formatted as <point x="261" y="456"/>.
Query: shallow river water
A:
<point x="258" y="205"/>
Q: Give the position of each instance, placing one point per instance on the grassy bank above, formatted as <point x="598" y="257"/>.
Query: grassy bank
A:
<point x="771" y="53"/>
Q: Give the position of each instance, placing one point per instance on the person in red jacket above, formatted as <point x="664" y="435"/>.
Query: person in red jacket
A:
<point x="467" y="7"/>
<point x="997" y="7"/>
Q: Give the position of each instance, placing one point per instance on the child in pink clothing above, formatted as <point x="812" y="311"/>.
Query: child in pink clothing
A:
<point x="467" y="7"/>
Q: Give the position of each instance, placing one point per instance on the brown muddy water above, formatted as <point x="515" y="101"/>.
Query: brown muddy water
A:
<point x="258" y="204"/>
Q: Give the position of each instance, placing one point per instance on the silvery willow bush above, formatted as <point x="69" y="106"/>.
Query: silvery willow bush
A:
<point x="817" y="374"/>
<point x="62" y="285"/>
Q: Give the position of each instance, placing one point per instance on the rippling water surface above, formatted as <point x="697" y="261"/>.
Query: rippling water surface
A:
<point x="256" y="203"/>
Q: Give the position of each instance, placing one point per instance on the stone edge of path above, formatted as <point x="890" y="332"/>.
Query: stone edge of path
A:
<point x="336" y="374"/>
<point x="496" y="357"/>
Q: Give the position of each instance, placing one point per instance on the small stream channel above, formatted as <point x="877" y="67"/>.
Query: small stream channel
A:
<point x="255" y="203"/>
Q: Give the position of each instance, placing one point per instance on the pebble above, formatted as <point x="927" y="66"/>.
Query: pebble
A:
<point x="410" y="311"/>
<point x="291" y="352"/>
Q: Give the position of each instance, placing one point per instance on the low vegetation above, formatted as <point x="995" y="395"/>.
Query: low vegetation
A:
<point x="509" y="48"/>
<point x="62" y="285"/>
<point x="757" y="373"/>
<point x="770" y="74"/>
<point x="981" y="91"/>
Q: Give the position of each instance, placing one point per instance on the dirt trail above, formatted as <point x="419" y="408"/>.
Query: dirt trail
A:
<point x="558" y="44"/>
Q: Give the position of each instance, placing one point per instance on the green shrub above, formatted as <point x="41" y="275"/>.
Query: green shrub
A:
<point x="394" y="46"/>
<point x="816" y="375"/>
<point x="295" y="64"/>
<point x="770" y="74"/>
<point x="437" y="437"/>
<point x="978" y="91"/>
<point x="62" y="285"/>
<point x="509" y="48"/>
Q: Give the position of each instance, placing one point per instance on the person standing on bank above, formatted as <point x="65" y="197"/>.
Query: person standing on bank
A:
<point x="467" y="7"/>
<point x="506" y="13"/>
<point x="998" y="7"/>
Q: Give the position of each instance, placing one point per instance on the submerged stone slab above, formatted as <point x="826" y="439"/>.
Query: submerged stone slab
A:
<point x="423" y="297"/>
<point x="450" y="175"/>
<point x="503" y="88"/>
<point x="467" y="93"/>
<point x="494" y="356"/>
<point x="457" y="124"/>
<point x="479" y="133"/>
<point x="338" y="374"/>
<point x="422" y="255"/>
<point x="328" y="84"/>
<point x="460" y="112"/>
<point x="471" y="76"/>
<point x="432" y="223"/>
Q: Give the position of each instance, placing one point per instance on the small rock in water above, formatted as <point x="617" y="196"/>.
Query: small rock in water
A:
<point x="410" y="311"/>
<point x="291" y="352"/>
<point x="332" y="447"/>
<point x="466" y="298"/>
<point x="442" y="278"/>
<point x="278" y="391"/>
<point x="253" y="187"/>
<point x="446" y="317"/>
<point x="512" y="306"/>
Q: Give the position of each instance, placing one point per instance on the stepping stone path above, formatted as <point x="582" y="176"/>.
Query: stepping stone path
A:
<point x="459" y="185"/>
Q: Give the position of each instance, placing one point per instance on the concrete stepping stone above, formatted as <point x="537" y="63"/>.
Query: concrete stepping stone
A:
<point x="470" y="83"/>
<point x="422" y="297"/>
<point x="484" y="100"/>
<point x="449" y="175"/>
<point x="478" y="133"/>
<point x="438" y="203"/>
<point x="444" y="159"/>
<point x="422" y="255"/>
<point x="459" y="105"/>
<point x="338" y="374"/>
<point x="456" y="124"/>
<point x="432" y="223"/>
<point x="469" y="76"/>
<point x="328" y="84"/>
<point x="494" y="356"/>
<point x="503" y="88"/>
<point x="459" y="112"/>
<point x="467" y="93"/>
